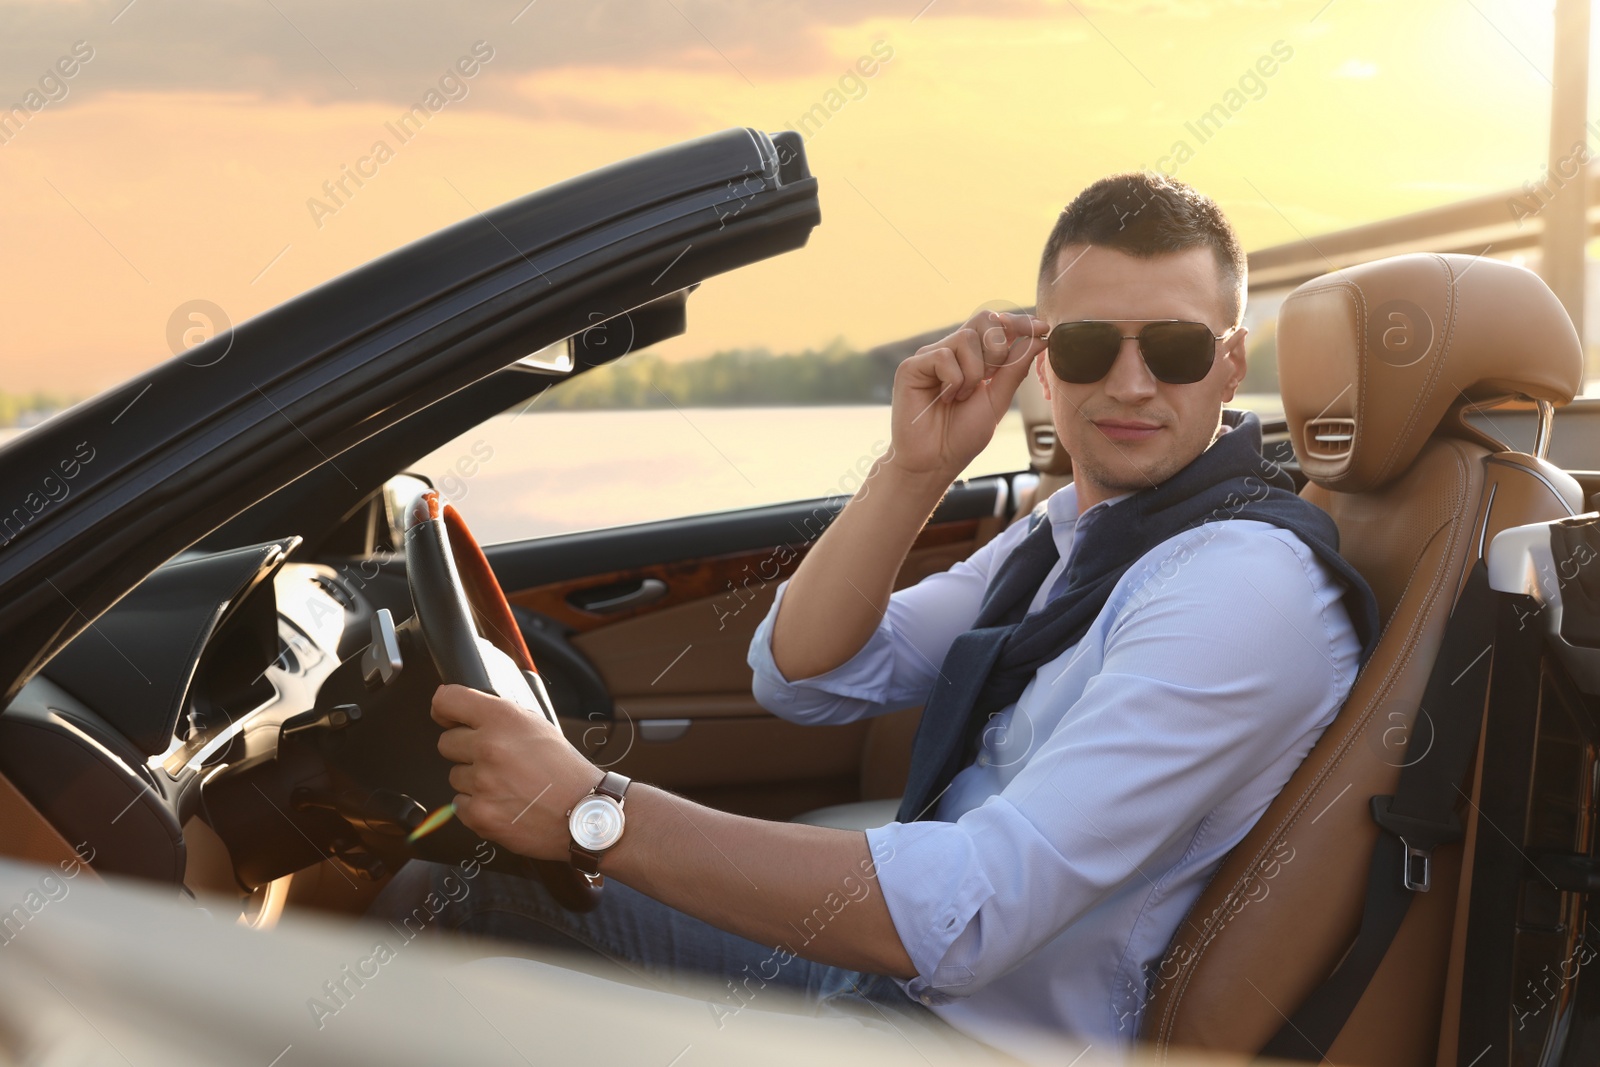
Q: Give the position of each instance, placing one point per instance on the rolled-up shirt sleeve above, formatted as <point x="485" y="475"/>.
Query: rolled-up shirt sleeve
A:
<point x="1203" y="683"/>
<point x="897" y="665"/>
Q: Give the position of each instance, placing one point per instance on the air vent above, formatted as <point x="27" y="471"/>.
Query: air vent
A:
<point x="1330" y="438"/>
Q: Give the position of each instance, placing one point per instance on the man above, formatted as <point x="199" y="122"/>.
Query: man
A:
<point x="1115" y="687"/>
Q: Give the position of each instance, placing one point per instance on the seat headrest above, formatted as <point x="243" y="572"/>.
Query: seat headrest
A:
<point x="1039" y="426"/>
<point x="1372" y="358"/>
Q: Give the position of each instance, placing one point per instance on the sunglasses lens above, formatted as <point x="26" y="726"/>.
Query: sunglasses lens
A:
<point x="1083" y="352"/>
<point x="1178" y="353"/>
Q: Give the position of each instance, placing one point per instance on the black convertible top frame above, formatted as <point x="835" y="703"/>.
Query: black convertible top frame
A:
<point x="94" y="500"/>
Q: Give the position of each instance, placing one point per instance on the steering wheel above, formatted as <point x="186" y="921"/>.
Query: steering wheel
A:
<point x="467" y="625"/>
<point x="465" y="618"/>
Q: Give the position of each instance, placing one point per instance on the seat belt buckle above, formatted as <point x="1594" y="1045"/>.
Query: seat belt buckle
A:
<point x="1417" y="873"/>
<point x="1418" y="838"/>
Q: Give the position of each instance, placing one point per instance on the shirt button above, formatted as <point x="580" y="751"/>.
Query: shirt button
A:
<point x="927" y="1001"/>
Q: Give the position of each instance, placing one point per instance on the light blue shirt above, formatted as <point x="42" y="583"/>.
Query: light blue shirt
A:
<point x="1102" y="801"/>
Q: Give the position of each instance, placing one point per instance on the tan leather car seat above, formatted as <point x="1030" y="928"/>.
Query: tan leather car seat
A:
<point x="1047" y="460"/>
<point x="1377" y="363"/>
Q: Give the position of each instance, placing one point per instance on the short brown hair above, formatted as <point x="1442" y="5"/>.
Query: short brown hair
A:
<point x="1144" y="213"/>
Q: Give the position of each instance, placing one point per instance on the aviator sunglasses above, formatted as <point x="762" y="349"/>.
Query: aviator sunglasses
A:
<point x="1178" y="353"/>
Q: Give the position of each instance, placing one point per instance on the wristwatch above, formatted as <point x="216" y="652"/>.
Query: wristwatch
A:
<point x="596" y="823"/>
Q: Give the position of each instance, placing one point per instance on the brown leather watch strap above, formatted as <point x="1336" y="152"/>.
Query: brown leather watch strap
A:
<point x="585" y="861"/>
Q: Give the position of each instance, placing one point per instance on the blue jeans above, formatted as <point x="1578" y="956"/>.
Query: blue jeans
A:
<point x="631" y="937"/>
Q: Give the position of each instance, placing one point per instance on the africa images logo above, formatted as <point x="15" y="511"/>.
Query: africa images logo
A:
<point x="1399" y="332"/>
<point x="452" y="87"/>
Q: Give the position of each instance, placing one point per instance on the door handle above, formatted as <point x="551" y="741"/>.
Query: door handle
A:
<point x="663" y="729"/>
<point x="648" y="591"/>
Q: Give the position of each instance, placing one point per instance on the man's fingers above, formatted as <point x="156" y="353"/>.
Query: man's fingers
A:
<point x="1009" y="357"/>
<point x="462" y="778"/>
<point x="936" y="369"/>
<point x="968" y="348"/>
<point x="1009" y="376"/>
<point x="465" y="810"/>
<point x="1015" y="324"/>
<point x="456" y="744"/>
<point x="1013" y="337"/>
<point x="456" y="705"/>
<point x="997" y="346"/>
<point x="449" y="707"/>
<point x="1022" y="324"/>
<point x="993" y="346"/>
<point x="1009" y="344"/>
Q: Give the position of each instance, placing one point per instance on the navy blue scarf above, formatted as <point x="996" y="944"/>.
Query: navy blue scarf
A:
<point x="987" y="667"/>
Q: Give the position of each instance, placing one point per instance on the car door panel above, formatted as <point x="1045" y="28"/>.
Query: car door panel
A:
<point x="674" y="663"/>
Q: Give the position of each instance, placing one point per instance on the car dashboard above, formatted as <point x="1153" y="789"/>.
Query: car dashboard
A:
<point x="195" y="669"/>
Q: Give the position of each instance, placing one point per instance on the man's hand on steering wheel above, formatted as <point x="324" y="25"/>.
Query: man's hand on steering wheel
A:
<point x="515" y="774"/>
<point x="513" y="771"/>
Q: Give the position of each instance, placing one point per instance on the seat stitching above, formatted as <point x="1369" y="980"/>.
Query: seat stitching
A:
<point x="1435" y="371"/>
<point x="1361" y="372"/>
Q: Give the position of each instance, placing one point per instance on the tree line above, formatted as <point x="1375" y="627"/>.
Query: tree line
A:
<point x="739" y="377"/>
<point x="25" y="409"/>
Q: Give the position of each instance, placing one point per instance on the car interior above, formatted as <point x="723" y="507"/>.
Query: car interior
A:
<point x="294" y="658"/>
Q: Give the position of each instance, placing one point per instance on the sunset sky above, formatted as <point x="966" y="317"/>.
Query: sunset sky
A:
<point x="177" y="162"/>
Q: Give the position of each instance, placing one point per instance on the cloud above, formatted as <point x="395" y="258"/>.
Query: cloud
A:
<point x="539" y="102"/>
<point x="392" y="50"/>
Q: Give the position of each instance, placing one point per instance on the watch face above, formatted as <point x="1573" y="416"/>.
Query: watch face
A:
<point x="596" y="823"/>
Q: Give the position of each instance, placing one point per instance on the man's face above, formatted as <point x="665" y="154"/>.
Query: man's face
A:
<point x="1129" y="431"/>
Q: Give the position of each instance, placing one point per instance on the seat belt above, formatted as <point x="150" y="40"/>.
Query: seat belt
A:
<point x="1418" y="817"/>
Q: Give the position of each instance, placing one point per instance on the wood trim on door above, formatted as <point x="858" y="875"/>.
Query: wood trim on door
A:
<point x="734" y="575"/>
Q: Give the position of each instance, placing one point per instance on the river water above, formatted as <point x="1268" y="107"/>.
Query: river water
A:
<point x="558" y="471"/>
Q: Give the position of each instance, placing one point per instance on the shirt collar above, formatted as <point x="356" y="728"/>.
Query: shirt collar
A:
<point x="1062" y="507"/>
<point x="1065" y="522"/>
